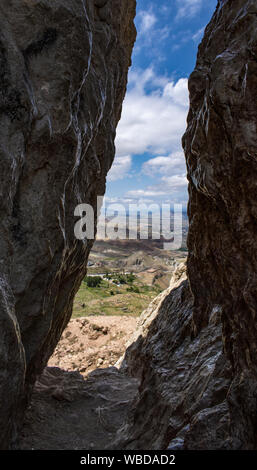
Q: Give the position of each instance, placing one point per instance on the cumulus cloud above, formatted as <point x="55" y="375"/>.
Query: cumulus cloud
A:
<point x="166" y="165"/>
<point x="154" y="115"/>
<point x="169" y="173"/>
<point x="153" y="121"/>
<point x="120" y="168"/>
<point x="177" y="92"/>
<point x="175" y="182"/>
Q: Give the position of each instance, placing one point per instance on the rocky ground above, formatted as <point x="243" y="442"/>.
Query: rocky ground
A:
<point x="81" y="400"/>
<point x="70" y="412"/>
<point x="91" y="342"/>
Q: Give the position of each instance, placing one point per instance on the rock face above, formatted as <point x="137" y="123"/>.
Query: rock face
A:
<point x="221" y="152"/>
<point x="192" y="395"/>
<point x="63" y="77"/>
<point x="183" y="381"/>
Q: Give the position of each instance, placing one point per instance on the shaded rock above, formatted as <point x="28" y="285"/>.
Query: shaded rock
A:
<point x="220" y="147"/>
<point x="63" y="75"/>
<point x="145" y="320"/>
<point x="181" y="380"/>
<point x="87" y="413"/>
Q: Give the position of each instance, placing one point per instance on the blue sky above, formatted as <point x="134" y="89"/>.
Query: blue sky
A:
<point x="149" y="164"/>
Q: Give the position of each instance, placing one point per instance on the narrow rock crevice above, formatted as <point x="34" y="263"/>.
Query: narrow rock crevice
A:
<point x="189" y="375"/>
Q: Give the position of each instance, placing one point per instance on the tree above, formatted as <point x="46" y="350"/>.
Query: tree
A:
<point x="93" y="281"/>
<point x="130" y="278"/>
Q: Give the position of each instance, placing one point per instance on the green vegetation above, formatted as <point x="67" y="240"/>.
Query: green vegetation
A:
<point x="118" y="278"/>
<point x="98" y="296"/>
<point x="131" y="278"/>
<point x="119" y="291"/>
<point x="93" y="281"/>
<point x="133" y="289"/>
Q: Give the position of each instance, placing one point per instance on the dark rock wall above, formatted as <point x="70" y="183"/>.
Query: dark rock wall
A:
<point x="221" y="153"/>
<point x="63" y="75"/>
<point x="220" y="146"/>
<point x="184" y="381"/>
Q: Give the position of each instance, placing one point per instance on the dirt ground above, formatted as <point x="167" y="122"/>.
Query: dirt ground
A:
<point x="70" y="412"/>
<point x="81" y="400"/>
<point x="91" y="342"/>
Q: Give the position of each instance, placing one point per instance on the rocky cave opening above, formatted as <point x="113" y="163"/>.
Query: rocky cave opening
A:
<point x="187" y="381"/>
<point x="90" y="357"/>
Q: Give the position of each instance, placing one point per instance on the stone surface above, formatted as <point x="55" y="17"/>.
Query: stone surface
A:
<point x="63" y="77"/>
<point x="221" y="153"/>
<point x="91" y="342"/>
<point x="183" y="381"/>
<point x="194" y="354"/>
<point x="87" y="413"/>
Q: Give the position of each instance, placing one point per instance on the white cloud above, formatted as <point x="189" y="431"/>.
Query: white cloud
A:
<point x="153" y="121"/>
<point x="120" y="168"/>
<point x="175" y="182"/>
<point x="166" y="166"/>
<point x="170" y="175"/>
<point x="174" y="186"/>
<point x="178" y="92"/>
<point x="147" y="21"/>
<point x="154" y="115"/>
<point x="198" y="35"/>
<point x="152" y="34"/>
<point x="142" y="193"/>
<point x="188" y="8"/>
<point x="127" y="200"/>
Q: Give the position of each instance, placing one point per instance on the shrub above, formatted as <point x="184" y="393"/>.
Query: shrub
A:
<point x="134" y="289"/>
<point x="93" y="281"/>
<point x="130" y="278"/>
